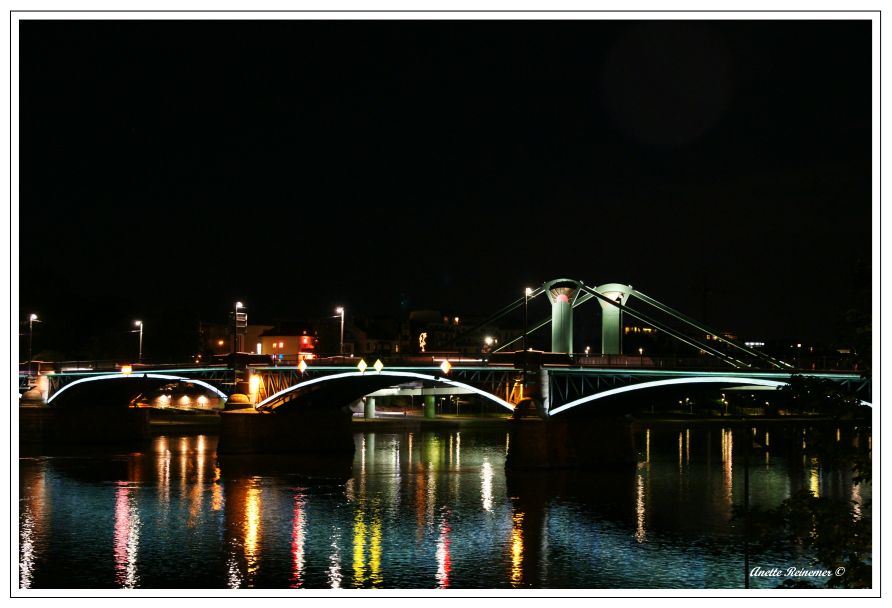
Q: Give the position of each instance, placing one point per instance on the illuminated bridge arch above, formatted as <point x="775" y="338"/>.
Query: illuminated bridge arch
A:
<point x="715" y="380"/>
<point x="365" y="383"/>
<point x="122" y="385"/>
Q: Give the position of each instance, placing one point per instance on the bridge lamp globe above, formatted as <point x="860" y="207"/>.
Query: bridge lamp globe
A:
<point x="488" y="340"/>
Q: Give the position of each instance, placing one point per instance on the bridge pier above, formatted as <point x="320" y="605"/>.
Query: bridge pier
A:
<point x="369" y="408"/>
<point x="570" y="442"/>
<point x="318" y="431"/>
<point x="430" y="406"/>
<point x="88" y="425"/>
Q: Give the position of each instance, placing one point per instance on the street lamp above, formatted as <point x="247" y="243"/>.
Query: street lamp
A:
<point x="139" y="325"/>
<point x="32" y="318"/>
<point x="340" y="311"/>
<point x="526" y="299"/>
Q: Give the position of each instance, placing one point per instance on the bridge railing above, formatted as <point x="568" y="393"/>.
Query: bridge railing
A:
<point x="842" y="363"/>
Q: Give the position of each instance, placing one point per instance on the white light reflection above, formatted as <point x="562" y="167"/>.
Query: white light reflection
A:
<point x="298" y="538"/>
<point x="234" y="578"/>
<point x="26" y="548"/>
<point x="457" y="451"/>
<point x="486" y="476"/>
<point x="640" y="506"/>
<point x="444" y="559"/>
<point x="334" y="561"/>
<point x="126" y="537"/>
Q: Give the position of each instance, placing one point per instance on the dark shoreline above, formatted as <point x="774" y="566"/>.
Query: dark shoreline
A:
<point x="202" y="423"/>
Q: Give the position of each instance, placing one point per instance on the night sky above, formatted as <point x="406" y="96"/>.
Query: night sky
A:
<point x="170" y="168"/>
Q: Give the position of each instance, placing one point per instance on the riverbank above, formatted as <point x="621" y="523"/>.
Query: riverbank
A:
<point x="164" y="422"/>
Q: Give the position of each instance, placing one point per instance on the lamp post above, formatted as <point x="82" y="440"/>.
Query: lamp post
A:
<point x="139" y="325"/>
<point x="31" y="319"/>
<point x="526" y="299"/>
<point x="340" y="311"/>
<point x="235" y="340"/>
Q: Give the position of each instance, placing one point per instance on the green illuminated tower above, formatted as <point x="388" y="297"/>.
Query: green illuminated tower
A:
<point x="611" y="317"/>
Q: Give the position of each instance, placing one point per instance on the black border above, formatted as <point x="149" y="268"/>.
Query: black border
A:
<point x="875" y="357"/>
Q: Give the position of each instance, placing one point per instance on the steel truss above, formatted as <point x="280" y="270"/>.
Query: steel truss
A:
<point x="219" y="377"/>
<point x="496" y="380"/>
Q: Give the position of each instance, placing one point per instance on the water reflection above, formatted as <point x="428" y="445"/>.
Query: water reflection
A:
<point x="444" y="560"/>
<point x="334" y="560"/>
<point x="407" y="511"/>
<point x="517" y="549"/>
<point x="640" y="504"/>
<point x="33" y="517"/>
<point x="127" y="527"/>
<point x="298" y="540"/>
<point x="486" y="475"/>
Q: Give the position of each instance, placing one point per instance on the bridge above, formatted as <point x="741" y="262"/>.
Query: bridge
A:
<point x="547" y="384"/>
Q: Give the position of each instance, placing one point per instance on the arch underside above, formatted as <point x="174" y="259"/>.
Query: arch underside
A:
<point x="341" y="389"/>
<point x="656" y="384"/>
<point x="119" y="388"/>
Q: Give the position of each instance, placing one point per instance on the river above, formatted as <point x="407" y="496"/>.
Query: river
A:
<point x="416" y="510"/>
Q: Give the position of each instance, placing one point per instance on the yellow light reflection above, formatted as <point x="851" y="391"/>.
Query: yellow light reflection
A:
<point x="680" y="450"/>
<point x="420" y="501"/>
<point x="359" y="547"/>
<point x="375" y="549"/>
<point x="517" y="550"/>
<point x="856" y="501"/>
<point x="727" y="463"/>
<point x="687" y="445"/>
<point x="647" y="445"/>
<point x="163" y="450"/>
<point x="216" y="491"/>
<point x="253" y="506"/>
<point x="197" y="496"/>
<point x="814" y="478"/>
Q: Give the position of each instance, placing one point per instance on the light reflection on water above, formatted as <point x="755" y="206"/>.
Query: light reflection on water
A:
<point x="413" y="510"/>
